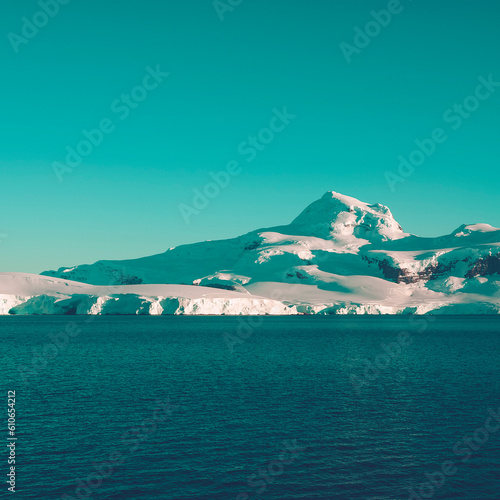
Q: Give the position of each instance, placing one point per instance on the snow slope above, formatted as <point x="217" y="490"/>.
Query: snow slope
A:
<point x="33" y="294"/>
<point x="340" y="255"/>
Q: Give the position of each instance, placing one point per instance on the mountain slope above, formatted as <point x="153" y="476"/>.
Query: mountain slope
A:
<point x="338" y="255"/>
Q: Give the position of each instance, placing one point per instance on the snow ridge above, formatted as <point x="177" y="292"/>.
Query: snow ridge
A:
<point x="338" y="256"/>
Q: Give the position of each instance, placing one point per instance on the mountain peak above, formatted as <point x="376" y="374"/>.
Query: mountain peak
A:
<point x="342" y="198"/>
<point x="337" y="216"/>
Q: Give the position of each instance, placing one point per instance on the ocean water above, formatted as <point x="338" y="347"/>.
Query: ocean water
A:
<point x="212" y="408"/>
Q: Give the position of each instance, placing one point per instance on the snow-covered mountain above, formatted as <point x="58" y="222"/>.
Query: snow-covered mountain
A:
<point x="339" y="255"/>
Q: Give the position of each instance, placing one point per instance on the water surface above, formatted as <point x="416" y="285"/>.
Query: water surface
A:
<point x="253" y="408"/>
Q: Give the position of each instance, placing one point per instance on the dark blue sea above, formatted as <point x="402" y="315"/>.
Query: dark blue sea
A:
<point x="226" y="408"/>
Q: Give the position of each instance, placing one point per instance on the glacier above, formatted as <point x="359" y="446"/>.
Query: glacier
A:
<point x="339" y="256"/>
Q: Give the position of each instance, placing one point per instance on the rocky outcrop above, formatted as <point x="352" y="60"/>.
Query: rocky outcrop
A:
<point x="485" y="266"/>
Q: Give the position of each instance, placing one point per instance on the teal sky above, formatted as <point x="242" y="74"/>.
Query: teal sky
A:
<point x="353" y="120"/>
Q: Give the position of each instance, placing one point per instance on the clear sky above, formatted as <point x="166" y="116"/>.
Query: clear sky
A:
<point x="227" y="79"/>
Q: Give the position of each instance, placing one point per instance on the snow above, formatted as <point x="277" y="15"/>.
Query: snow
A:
<point x="472" y="228"/>
<point x="32" y="294"/>
<point x="341" y="217"/>
<point x="339" y="256"/>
